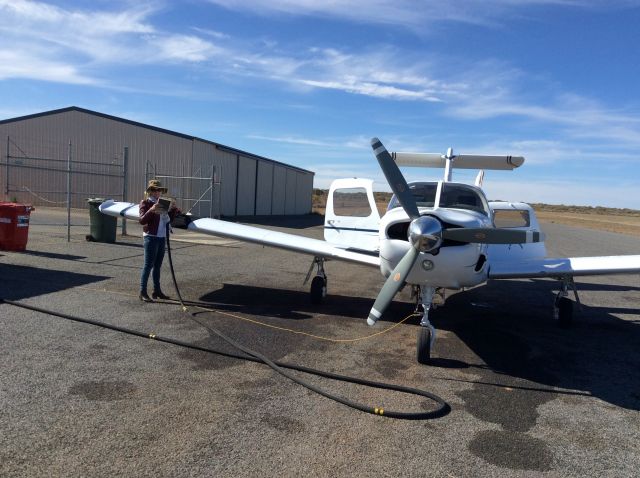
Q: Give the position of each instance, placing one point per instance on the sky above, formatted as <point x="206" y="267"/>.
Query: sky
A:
<point x="309" y="83"/>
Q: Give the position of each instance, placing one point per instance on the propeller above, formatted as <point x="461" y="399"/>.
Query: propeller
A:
<point x="426" y="233"/>
<point x="395" y="179"/>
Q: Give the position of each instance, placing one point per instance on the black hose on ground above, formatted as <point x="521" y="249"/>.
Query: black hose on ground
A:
<point x="442" y="410"/>
<point x="253" y="356"/>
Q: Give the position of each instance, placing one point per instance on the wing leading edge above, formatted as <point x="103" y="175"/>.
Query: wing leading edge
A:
<point x="567" y="266"/>
<point x="282" y="240"/>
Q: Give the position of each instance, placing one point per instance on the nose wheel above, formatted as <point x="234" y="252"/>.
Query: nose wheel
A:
<point x="426" y="332"/>
<point x="423" y="352"/>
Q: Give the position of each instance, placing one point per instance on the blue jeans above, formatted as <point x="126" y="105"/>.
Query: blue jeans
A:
<point x="153" y="256"/>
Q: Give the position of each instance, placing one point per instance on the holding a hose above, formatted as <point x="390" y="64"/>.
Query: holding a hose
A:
<point x="155" y="217"/>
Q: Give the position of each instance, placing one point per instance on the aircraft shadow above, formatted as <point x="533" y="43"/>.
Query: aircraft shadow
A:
<point x="509" y="326"/>
<point x="28" y="281"/>
<point x="503" y="331"/>
<point x="289" y="304"/>
<point x="588" y="286"/>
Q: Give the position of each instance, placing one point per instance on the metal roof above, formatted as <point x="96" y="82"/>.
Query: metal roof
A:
<point x="154" y="128"/>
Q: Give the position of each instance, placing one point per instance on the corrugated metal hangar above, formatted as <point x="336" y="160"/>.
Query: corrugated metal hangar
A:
<point x="97" y="155"/>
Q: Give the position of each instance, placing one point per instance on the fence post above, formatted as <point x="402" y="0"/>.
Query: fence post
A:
<point x="6" y="189"/>
<point x="69" y="193"/>
<point x="213" y="181"/>
<point x="125" y="165"/>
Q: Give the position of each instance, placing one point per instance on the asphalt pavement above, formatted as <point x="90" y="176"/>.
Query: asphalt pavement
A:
<point x="527" y="398"/>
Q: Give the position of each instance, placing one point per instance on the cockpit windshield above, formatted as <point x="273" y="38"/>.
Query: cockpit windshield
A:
<point x="454" y="195"/>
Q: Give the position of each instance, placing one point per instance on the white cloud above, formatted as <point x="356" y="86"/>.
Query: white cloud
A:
<point x="185" y="48"/>
<point x="367" y="88"/>
<point x="80" y="46"/>
<point x="15" y="65"/>
<point x="80" y="38"/>
<point x="289" y="140"/>
<point x="418" y="15"/>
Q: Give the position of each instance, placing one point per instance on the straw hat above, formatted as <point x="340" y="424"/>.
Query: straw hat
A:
<point x="155" y="185"/>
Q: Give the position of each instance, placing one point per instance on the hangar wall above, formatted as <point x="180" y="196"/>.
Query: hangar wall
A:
<point x="247" y="184"/>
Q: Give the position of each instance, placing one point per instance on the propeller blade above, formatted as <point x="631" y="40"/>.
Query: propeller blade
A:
<point x="492" y="236"/>
<point x="392" y="285"/>
<point x="395" y="179"/>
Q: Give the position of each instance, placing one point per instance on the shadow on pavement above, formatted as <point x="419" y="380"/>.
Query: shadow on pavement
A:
<point x="21" y="282"/>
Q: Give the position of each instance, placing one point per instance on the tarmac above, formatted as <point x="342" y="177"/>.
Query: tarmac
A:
<point x="527" y="398"/>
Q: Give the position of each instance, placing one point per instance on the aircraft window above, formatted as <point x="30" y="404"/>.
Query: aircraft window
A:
<point x="423" y="193"/>
<point x="460" y="196"/>
<point x="351" y="202"/>
<point x="511" y="218"/>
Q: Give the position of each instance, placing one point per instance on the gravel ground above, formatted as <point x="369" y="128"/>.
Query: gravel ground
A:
<point x="527" y="398"/>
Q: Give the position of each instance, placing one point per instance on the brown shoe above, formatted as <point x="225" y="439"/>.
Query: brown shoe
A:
<point x="144" y="297"/>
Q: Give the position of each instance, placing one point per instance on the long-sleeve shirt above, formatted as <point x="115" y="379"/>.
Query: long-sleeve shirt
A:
<point x="154" y="224"/>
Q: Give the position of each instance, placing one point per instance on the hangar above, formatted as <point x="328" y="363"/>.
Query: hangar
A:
<point x="85" y="153"/>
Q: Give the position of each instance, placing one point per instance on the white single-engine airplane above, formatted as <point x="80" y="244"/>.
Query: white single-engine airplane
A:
<point x="434" y="236"/>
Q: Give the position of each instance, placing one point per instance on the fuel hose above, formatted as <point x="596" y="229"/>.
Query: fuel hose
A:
<point x="441" y="408"/>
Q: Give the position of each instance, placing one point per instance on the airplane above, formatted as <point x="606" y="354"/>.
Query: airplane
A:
<point x="435" y="236"/>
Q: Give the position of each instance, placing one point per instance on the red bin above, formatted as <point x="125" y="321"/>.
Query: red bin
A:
<point x="14" y="226"/>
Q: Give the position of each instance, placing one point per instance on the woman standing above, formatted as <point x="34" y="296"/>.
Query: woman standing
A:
<point x="154" y="222"/>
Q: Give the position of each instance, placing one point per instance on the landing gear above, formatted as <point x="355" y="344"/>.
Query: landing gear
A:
<point x="319" y="282"/>
<point x="424" y="345"/>
<point x="318" y="289"/>
<point x="565" y="312"/>
<point x="563" y="307"/>
<point x="427" y="332"/>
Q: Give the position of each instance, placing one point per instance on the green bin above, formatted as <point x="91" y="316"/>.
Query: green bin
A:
<point x="103" y="227"/>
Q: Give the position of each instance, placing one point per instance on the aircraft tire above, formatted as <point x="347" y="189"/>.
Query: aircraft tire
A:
<point x="318" y="289"/>
<point x="565" y="313"/>
<point x="424" y="345"/>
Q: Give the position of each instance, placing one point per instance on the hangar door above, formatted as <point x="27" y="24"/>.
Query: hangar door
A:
<point x="264" y="188"/>
<point x="246" y="192"/>
<point x="279" y="189"/>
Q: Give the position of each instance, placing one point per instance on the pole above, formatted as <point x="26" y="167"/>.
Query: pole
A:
<point x="213" y="177"/>
<point x="6" y="189"/>
<point x="125" y="166"/>
<point x="69" y="193"/>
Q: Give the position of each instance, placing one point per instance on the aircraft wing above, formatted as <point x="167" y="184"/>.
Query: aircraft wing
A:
<point x="567" y="266"/>
<point x="266" y="237"/>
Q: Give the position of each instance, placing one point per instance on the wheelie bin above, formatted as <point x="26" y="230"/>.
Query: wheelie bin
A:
<point x="14" y="226"/>
<point x="103" y="227"/>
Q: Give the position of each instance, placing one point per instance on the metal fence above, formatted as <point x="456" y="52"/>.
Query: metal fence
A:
<point x="60" y="174"/>
<point x="56" y="174"/>
<point x="198" y="194"/>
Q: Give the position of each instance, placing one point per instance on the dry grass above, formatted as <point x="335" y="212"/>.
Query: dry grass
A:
<point x="622" y="221"/>
<point x="601" y="222"/>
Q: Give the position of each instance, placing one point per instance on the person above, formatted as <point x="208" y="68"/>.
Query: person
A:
<point x="154" y="222"/>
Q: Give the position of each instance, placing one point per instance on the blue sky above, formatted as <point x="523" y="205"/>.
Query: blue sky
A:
<point x="309" y="82"/>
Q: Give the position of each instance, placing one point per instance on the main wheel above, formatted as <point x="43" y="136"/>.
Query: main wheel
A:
<point x="424" y="345"/>
<point x="318" y="289"/>
<point x="565" y="312"/>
